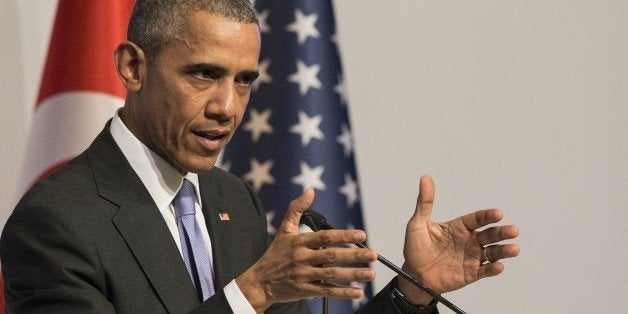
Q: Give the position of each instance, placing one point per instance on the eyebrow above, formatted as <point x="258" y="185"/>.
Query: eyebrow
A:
<point x="188" y="68"/>
<point x="218" y="69"/>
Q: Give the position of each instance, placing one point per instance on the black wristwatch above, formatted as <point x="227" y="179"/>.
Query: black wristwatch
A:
<point x="405" y="306"/>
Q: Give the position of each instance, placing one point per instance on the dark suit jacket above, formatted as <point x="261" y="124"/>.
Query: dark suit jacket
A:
<point x="89" y="238"/>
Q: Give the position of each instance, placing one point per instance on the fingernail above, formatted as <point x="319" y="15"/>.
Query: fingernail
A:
<point x="370" y="256"/>
<point x="359" y="236"/>
<point x="368" y="274"/>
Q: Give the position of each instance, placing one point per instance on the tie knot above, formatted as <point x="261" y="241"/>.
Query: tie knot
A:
<point x="184" y="200"/>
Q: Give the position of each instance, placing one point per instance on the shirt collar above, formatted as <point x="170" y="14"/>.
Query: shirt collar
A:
<point x="160" y="179"/>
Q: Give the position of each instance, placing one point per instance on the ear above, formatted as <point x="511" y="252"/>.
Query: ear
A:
<point x="130" y="65"/>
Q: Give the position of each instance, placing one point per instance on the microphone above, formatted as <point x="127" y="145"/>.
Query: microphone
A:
<point x="316" y="221"/>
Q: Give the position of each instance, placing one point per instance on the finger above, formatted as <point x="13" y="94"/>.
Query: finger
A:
<point x="481" y="218"/>
<point x="489" y="270"/>
<point x="497" y="234"/>
<point x="331" y="237"/>
<point x="337" y="255"/>
<point x="496" y="252"/>
<point x="425" y="201"/>
<point x="334" y="274"/>
<point x="290" y="223"/>
<point x="332" y="290"/>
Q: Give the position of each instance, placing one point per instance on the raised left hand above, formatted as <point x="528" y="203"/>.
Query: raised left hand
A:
<point x="448" y="256"/>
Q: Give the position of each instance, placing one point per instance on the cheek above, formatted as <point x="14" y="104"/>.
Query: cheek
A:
<point x="172" y="119"/>
<point x="184" y="107"/>
<point x="239" y="116"/>
<point x="241" y="109"/>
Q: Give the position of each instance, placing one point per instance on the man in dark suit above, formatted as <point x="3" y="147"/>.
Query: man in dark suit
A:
<point x="105" y="234"/>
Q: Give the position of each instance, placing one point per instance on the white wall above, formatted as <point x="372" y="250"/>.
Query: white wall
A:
<point x="520" y="105"/>
<point x="25" y="29"/>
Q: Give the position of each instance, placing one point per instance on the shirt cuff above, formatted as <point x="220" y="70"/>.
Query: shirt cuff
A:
<point x="405" y="306"/>
<point x="236" y="299"/>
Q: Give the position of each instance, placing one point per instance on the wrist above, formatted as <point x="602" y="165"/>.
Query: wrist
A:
<point x="405" y="306"/>
<point x="411" y="292"/>
<point x="252" y="291"/>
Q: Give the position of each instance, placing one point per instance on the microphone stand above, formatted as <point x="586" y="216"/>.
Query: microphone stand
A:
<point x="317" y="221"/>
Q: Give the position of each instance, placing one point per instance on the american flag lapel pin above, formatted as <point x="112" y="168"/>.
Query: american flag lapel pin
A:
<point x="223" y="216"/>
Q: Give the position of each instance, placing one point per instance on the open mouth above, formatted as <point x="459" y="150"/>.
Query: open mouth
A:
<point x="212" y="135"/>
<point x="212" y="139"/>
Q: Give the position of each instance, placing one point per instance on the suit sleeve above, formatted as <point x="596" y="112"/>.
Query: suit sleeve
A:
<point x="62" y="273"/>
<point x="382" y="302"/>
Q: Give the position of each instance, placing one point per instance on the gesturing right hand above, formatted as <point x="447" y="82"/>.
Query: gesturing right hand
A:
<point x="295" y="268"/>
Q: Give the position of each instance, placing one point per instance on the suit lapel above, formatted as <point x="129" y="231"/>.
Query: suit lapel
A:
<point x="238" y="242"/>
<point x="219" y="231"/>
<point x="141" y="225"/>
<point x="153" y="247"/>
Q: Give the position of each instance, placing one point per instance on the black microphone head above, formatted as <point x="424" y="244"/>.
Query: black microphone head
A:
<point x="316" y="221"/>
<point x="307" y="220"/>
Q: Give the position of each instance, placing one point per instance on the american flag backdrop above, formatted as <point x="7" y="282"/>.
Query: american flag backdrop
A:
<point x="296" y="132"/>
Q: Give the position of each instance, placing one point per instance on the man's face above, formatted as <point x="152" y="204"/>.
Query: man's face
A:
<point x="196" y="91"/>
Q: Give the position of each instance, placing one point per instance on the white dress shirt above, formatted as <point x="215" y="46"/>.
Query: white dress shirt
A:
<point x="163" y="182"/>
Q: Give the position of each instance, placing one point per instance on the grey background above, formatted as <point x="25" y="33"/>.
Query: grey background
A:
<point x="520" y="105"/>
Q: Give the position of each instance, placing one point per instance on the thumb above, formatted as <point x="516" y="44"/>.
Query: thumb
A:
<point x="290" y="223"/>
<point x="425" y="201"/>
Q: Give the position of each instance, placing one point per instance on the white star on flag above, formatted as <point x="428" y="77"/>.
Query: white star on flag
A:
<point x="334" y="38"/>
<point x="357" y="303"/>
<point x="340" y="89"/>
<point x="304" y="26"/>
<point x="345" y="140"/>
<point x="261" y="21"/>
<point x="304" y="229"/>
<point x="308" y="128"/>
<point x="258" y="123"/>
<point x="224" y="165"/>
<point x="349" y="190"/>
<point x="310" y="177"/>
<point x="270" y="214"/>
<point x="263" y="77"/>
<point x="306" y="77"/>
<point x="259" y="174"/>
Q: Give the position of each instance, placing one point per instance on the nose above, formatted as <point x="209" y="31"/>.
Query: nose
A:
<point x="222" y="101"/>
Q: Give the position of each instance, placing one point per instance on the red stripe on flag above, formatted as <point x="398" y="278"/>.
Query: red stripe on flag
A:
<point x="80" y="56"/>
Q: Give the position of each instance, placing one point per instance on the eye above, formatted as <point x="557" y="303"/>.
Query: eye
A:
<point x="246" y="79"/>
<point x="207" y="74"/>
<point x="204" y="71"/>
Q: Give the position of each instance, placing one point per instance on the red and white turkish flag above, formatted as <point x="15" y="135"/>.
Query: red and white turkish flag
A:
<point x="80" y="89"/>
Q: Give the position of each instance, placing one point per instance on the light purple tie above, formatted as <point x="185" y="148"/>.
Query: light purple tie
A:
<point x="193" y="247"/>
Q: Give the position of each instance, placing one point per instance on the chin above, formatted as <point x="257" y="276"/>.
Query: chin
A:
<point x="200" y="165"/>
<point x="201" y="170"/>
